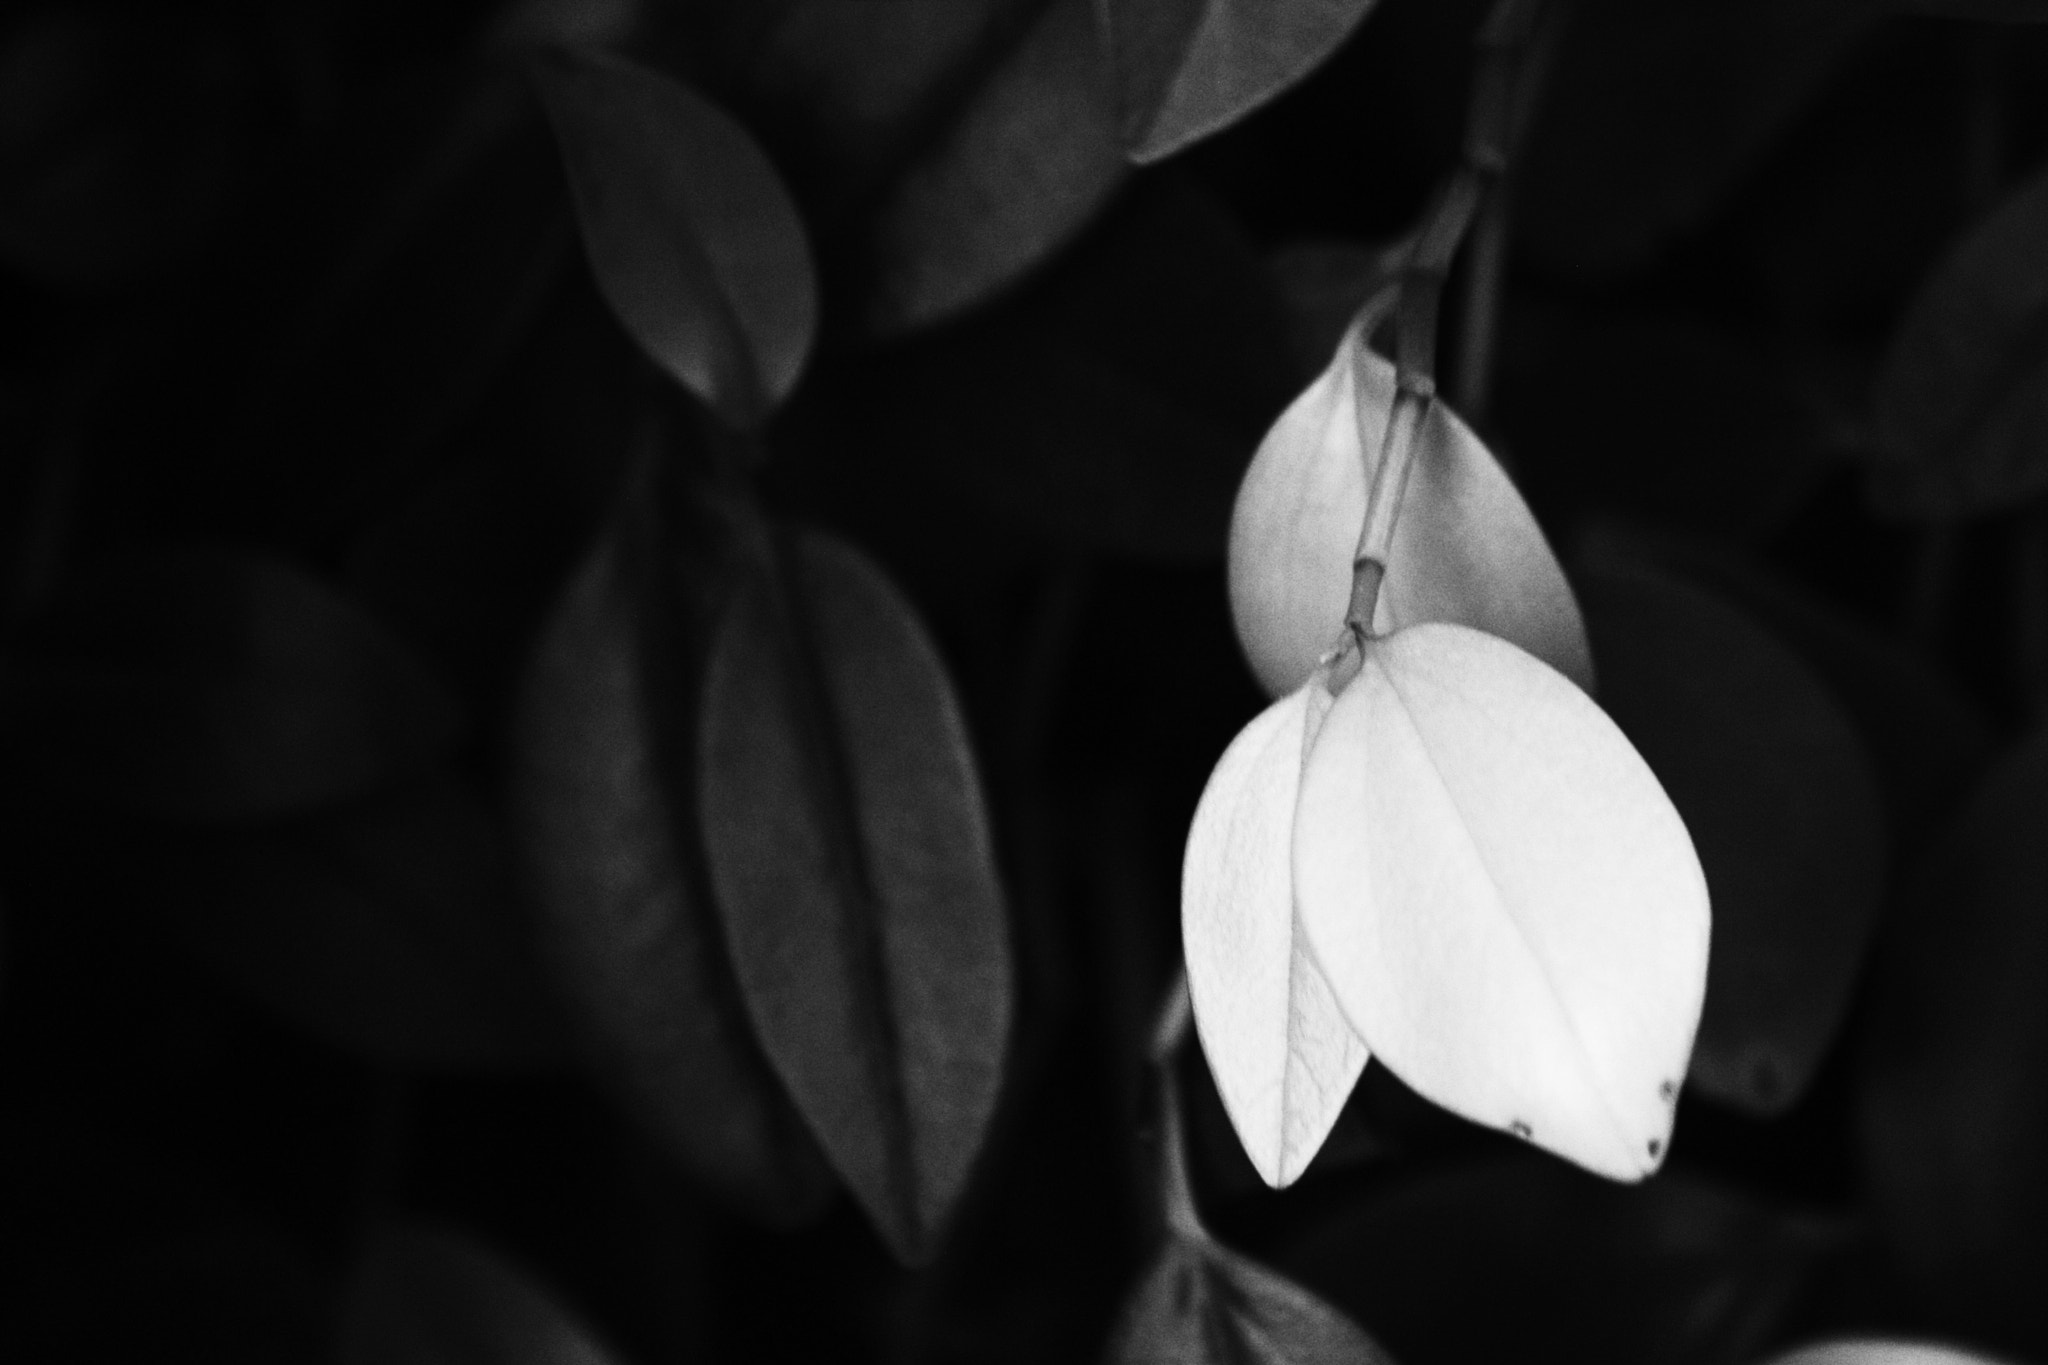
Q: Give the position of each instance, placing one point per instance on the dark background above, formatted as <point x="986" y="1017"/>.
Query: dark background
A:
<point x="310" y="410"/>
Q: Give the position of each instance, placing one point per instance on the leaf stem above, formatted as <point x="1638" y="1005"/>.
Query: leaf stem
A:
<point x="1498" y="107"/>
<point x="1176" y="1190"/>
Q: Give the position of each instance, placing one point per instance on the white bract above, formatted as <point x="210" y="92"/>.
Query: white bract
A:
<point x="1283" y="1056"/>
<point x="1880" y="1351"/>
<point x="1466" y="548"/>
<point x="1456" y="861"/>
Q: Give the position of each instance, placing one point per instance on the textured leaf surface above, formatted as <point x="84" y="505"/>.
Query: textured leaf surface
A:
<point x="1020" y="166"/>
<point x="940" y="148"/>
<point x="387" y="929"/>
<point x="1676" y="1270"/>
<point x="1200" y="1304"/>
<point x="1283" y="1056"/>
<point x="430" y="1295"/>
<point x="850" y="854"/>
<point x="1778" y="792"/>
<point x="1653" y="111"/>
<point x="1960" y="405"/>
<point x="1953" y="1118"/>
<point x="1466" y="550"/>
<point x="215" y="686"/>
<point x="1188" y="68"/>
<point x="624" y="910"/>
<point x="1502" y="897"/>
<point x="690" y="234"/>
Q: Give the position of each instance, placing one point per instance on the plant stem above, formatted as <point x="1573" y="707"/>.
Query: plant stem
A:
<point x="1483" y="284"/>
<point x="1498" y="106"/>
<point x="1176" y="1191"/>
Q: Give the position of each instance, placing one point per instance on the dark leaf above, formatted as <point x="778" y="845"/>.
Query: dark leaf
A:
<point x="625" y="916"/>
<point x="1927" y="740"/>
<point x="1960" y="405"/>
<point x="1012" y="174"/>
<point x="1953" y="1116"/>
<point x="1777" y="793"/>
<point x="425" y="1295"/>
<point x="1655" y="108"/>
<point x="1529" y="1259"/>
<point x="1117" y="402"/>
<point x="690" y="234"/>
<point x="388" y="930"/>
<point x="1188" y="68"/>
<point x="1201" y="1304"/>
<point x="1687" y="423"/>
<point x="215" y="686"/>
<point x="850" y="854"/>
<point x="940" y="148"/>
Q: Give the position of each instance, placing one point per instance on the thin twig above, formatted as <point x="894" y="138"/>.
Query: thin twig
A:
<point x="1498" y="106"/>
<point x="1176" y="1190"/>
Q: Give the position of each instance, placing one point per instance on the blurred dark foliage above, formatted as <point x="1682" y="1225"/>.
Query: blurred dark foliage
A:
<point x="330" y="490"/>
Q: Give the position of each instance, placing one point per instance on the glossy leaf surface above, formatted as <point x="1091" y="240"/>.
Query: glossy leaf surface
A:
<point x="1201" y="1304"/>
<point x="1188" y="68"/>
<point x="1466" y="549"/>
<point x="1283" y="1056"/>
<point x="850" y="855"/>
<point x="624" y="909"/>
<point x="430" y="1295"/>
<point x="1961" y="402"/>
<point x="691" y="236"/>
<point x="1778" y="792"/>
<point x="1504" y="900"/>
<point x="214" y="686"/>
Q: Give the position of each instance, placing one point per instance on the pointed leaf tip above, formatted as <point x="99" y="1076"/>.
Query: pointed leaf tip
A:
<point x="1502" y="897"/>
<point x="854" y="872"/>
<point x="1466" y="550"/>
<point x="1201" y="1304"/>
<point x="692" y="238"/>
<point x="1283" y="1056"/>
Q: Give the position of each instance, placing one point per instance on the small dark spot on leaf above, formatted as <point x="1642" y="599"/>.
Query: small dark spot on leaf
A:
<point x="1521" y="1130"/>
<point x="1656" y="1146"/>
<point x="1667" y="1091"/>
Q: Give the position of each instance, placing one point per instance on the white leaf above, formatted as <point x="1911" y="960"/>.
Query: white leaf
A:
<point x="1465" y="549"/>
<point x="1877" y="1351"/>
<point x="1503" y="898"/>
<point x="1283" y="1057"/>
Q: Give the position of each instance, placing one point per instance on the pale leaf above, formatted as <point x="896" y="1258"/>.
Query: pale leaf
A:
<point x="1880" y="1351"/>
<point x="1283" y="1057"/>
<point x="1465" y="550"/>
<point x="1503" y="898"/>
